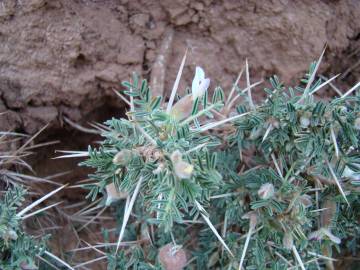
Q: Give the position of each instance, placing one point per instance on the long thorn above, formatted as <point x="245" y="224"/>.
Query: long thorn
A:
<point x="128" y="212"/>
<point x="251" y="102"/>
<point x="176" y="84"/>
<point x="247" y="241"/>
<point x="207" y="220"/>
<point x="248" y="88"/>
<point x="351" y="90"/>
<point x="337" y="182"/>
<point x="324" y="84"/>
<point x="234" y="86"/>
<point x="298" y="258"/>
<point x="37" y="202"/>
<point x="41" y="210"/>
<point x="215" y="124"/>
<point x="333" y="137"/>
<point x="268" y="130"/>
<point x="313" y="74"/>
<point x="58" y="259"/>
<point x="122" y="97"/>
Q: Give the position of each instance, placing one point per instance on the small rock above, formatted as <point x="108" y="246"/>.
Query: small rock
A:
<point x="171" y="260"/>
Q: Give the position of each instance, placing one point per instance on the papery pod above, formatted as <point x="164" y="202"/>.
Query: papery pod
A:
<point x="327" y="215"/>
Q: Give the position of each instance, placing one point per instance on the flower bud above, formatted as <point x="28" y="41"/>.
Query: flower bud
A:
<point x="159" y="169"/>
<point x="288" y="240"/>
<point x="182" y="169"/>
<point x="10" y="234"/>
<point x="255" y="133"/>
<point x="113" y="194"/>
<point x="176" y="156"/>
<point x="123" y="157"/>
<point x="274" y="122"/>
<point x="266" y="191"/>
<point x="304" y="121"/>
<point x="305" y="200"/>
<point x="172" y="258"/>
<point x="357" y="123"/>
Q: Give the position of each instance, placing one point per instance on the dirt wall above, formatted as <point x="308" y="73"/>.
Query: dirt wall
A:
<point x="64" y="57"/>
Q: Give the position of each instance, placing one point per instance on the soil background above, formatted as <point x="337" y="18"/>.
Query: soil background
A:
<point x="63" y="58"/>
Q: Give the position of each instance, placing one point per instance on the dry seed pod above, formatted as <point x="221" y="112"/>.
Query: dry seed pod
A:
<point x="172" y="259"/>
<point x="327" y="215"/>
<point x="252" y="215"/>
<point x="182" y="108"/>
<point x="123" y="157"/>
<point x="113" y="194"/>
<point x="288" y="240"/>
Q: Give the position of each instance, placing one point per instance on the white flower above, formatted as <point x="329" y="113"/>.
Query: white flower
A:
<point x="266" y="191"/>
<point x="322" y="233"/>
<point x="200" y="84"/>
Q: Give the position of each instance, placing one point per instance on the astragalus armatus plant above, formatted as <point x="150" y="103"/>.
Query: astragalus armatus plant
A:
<point x="222" y="182"/>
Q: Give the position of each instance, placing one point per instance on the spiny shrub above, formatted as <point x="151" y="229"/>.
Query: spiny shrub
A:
<point x="221" y="182"/>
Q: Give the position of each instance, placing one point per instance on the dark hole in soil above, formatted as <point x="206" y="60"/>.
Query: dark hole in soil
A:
<point x="65" y="236"/>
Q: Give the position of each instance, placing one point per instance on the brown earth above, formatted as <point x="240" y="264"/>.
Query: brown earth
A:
<point x="63" y="58"/>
